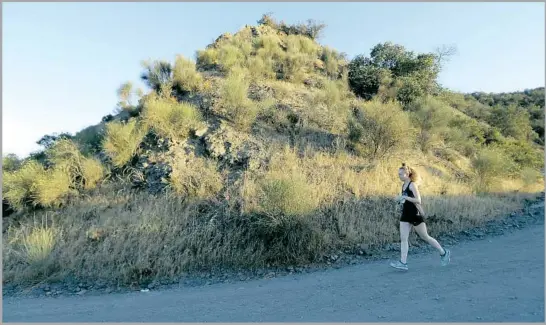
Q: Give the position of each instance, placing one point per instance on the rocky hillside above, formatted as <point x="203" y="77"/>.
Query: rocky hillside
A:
<point x="269" y="149"/>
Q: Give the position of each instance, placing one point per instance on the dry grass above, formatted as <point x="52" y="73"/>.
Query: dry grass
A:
<point x="38" y="244"/>
<point x="331" y="201"/>
<point x="30" y="252"/>
<point x="195" y="178"/>
<point x="123" y="140"/>
<point x="135" y="237"/>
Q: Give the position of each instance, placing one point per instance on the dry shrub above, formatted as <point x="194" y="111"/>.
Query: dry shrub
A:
<point x="92" y="172"/>
<point x="185" y="76"/>
<point x="195" y="178"/>
<point x="379" y="129"/>
<point x="51" y="187"/>
<point x="82" y="171"/>
<point x="170" y="119"/>
<point x="234" y="102"/>
<point x="488" y="165"/>
<point x="18" y="186"/>
<point x="122" y="141"/>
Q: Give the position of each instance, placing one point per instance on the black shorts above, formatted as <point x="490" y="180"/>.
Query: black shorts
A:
<point x="414" y="219"/>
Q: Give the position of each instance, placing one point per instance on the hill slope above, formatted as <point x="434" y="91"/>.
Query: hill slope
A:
<point x="270" y="149"/>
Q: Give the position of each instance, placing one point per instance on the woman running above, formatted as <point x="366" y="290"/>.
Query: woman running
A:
<point x="412" y="216"/>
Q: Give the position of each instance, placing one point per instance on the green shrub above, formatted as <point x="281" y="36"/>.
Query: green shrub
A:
<point x="230" y="57"/>
<point x="234" y="102"/>
<point x="207" y="59"/>
<point x="489" y="164"/>
<point x="18" y="186"/>
<point x="169" y="118"/>
<point x="431" y="118"/>
<point x="185" y="75"/>
<point x="378" y="129"/>
<point x="51" y="188"/>
<point x="523" y="154"/>
<point x="333" y="62"/>
<point x="122" y="141"/>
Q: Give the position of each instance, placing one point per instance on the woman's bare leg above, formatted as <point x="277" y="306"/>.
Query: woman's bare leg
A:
<point x="405" y="228"/>
<point x="421" y="230"/>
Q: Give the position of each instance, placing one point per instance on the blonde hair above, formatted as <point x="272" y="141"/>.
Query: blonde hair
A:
<point x="412" y="173"/>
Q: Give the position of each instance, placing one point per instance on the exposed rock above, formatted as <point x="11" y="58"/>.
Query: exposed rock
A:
<point x="234" y="148"/>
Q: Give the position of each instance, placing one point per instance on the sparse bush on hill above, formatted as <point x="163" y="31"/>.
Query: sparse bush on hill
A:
<point x="18" y="186"/>
<point x="51" y="187"/>
<point x="89" y="140"/>
<point x="47" y="141"/>
<point x="431" y="118"/>
<point x="489" y="165"/>
<point x="377" y="130"/>
<point x="311" y="29"/>
<point x="157" y="74"/>
<point x="234" y="103"/>
<point x="122" y="141"/>
<point x="169" y="118"/>
<point x="185" y="76"/>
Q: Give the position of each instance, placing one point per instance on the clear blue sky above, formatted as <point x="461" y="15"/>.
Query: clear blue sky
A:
<point x="62" y="62"/>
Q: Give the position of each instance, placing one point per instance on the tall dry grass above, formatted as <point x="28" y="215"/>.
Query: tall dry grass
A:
<point x="331" y="202"/>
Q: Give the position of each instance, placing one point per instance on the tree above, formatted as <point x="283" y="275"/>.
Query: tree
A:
<point x="47" y="141"/>
<point x="10" y="162"/>
<point x="392" y="66"/>
<point x="365" y="77"/>
<point x="513" y="122"/>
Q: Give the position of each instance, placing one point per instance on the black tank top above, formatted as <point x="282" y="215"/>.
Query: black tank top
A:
<point x="409" y="208"/>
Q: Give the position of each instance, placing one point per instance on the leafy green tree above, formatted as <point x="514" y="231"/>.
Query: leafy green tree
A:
<point x="513" y="122"/>
<point x="391" y="65"/>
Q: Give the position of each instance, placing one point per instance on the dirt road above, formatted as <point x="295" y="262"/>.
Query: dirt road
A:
<point x="497" y="279"/>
